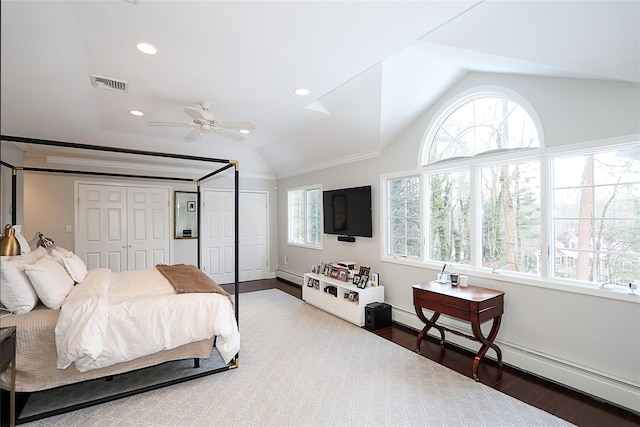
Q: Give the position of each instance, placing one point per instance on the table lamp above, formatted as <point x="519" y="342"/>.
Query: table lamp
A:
<point x="9" y="243"/>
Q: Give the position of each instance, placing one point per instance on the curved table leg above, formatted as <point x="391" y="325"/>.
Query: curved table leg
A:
<point x="486" y="343"/>
<point x="429" y="323"/>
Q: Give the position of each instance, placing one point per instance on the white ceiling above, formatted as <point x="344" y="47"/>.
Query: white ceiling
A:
<point x="372" y="68"/>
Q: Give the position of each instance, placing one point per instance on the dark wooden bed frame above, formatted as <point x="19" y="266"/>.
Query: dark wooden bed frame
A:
<point x="227" y="164"/>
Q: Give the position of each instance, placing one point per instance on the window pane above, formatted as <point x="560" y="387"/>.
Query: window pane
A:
<point x="598" y="239"/>
<point x="481" y="125"/>
<point x="305" y="213"/>
<point x="511" y="217"/>
<point x="449" y="218"/>
<point x="296" y="216"/>
<point x="313" y="216"/>
<point x="403" y="229"/>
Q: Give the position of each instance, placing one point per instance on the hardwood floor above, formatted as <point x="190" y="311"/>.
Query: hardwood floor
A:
<point x="570" y="405"/>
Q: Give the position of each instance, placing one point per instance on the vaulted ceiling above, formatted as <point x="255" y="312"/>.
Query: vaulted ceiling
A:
<point x="371" y="68"/>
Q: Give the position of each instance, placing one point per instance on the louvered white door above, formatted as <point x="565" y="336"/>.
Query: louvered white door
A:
<point x="101" y="238"/>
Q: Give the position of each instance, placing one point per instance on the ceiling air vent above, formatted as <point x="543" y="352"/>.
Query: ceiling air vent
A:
<point x="111" y="84"/>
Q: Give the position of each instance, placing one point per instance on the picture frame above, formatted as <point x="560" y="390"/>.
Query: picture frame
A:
<point x="356" y="279"/>
<point x="375" y="279"/>
<point x="343" y="275"/>
<point x="363" y="281"/>
<point x="191" y="206"/>
<point x="364" y="270"/>
<point x="334" y="272"/>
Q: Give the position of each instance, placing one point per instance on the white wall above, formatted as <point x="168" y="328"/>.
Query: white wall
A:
<point x="588" y="341"/>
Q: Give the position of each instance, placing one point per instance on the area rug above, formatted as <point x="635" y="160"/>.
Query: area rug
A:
<point x="62" y="399"/>
<point x="300" y="366"/>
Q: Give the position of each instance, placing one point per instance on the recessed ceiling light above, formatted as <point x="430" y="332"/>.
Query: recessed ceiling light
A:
<point x="245" y="131"/>
<point x="301" y="91"/>
<point x="147" y="48"/>
<point x="136" y="113"/>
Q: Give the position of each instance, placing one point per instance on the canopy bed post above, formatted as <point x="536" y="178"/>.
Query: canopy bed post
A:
<point x="14" y="198"/>
<point x="14" y="187"/>
<point x="237" y="232"/>
<point x="198" y="220"/>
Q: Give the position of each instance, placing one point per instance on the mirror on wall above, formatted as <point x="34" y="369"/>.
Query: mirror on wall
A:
<point x="186" y="214"/>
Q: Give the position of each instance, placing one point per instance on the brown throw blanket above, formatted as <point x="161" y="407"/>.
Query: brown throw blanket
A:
<point x="188" y="279"/>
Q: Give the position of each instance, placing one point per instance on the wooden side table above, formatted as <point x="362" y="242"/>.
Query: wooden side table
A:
<point x="8" y="358"/>
<point x="472" y="304"/>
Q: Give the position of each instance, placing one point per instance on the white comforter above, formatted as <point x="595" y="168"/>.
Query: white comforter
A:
<point x="110" y="318"/>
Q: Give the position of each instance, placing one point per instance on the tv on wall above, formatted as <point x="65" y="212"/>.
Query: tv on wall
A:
<point x="347" y="211"/>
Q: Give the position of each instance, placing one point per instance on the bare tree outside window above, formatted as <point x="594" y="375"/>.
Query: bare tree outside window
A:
<point x="597" y="217"/>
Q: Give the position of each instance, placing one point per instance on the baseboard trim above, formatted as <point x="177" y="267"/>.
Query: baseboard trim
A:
<point x="593" y="384"/>
<point x="290" y="277"/>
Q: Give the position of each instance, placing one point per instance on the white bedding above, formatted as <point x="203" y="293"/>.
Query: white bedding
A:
<point x="110" y="318"/>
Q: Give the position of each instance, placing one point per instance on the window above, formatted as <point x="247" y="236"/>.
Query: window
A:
<point x="449" y="217"/>
<point x="305" y="216"/>
<point x="596" y="216"/>
<point x="510" y="199"/>
<point x="486" y="206"/>
<point x="482" y="124"/>
<point x="404" y="216"/>
<point x="484" y="130"/>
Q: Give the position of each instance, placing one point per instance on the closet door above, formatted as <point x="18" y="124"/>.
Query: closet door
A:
<point x="148" y="227"/>
<point x="102" y="226"/>
<point x="218" y="233"/>
<point x="253" y="236"/>
<point x="123" y="228"/>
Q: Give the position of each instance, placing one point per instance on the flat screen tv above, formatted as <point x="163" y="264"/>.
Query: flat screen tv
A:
<point x="347" y="211"/>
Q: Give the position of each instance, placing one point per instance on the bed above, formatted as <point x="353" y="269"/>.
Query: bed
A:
<point x="76" y="332"/>
<point x="56" y="348"/>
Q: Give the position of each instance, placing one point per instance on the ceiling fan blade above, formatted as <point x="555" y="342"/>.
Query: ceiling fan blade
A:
<point x="230" y="134"/>
<point x="239" y="124"/>
<point x="193" y="135"/>
<point x="170" y="124"/>
<point x="195" y="114"/>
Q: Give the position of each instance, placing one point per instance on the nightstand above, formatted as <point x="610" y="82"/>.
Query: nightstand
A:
<point x="8" y="358"/>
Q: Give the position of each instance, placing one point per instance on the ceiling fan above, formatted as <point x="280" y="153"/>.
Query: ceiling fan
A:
<point x="205" y="122"/>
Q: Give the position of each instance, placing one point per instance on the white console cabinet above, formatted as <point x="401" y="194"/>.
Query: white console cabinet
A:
<point x="338" y="305"/>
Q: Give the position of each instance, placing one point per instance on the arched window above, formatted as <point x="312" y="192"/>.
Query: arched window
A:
<point x="479" y="124"/>
<point x="484" y="212"/>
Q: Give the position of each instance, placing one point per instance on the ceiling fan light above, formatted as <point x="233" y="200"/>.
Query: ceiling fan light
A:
<point x="146" y="48"/>
<point x="244" y="131"/>
<point x="205" y="126"/>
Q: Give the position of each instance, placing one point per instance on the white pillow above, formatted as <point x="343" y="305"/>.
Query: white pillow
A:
<point x="59" y="254"/>
<point x="50" y="280"/>
<point x="16" y="292"/>
<point x="76" y="268"/>
<point x="38" y="253"/>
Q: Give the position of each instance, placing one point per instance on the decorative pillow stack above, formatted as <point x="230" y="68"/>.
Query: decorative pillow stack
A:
<point x="37" y="275"/>
<point x="72" y="263"/>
